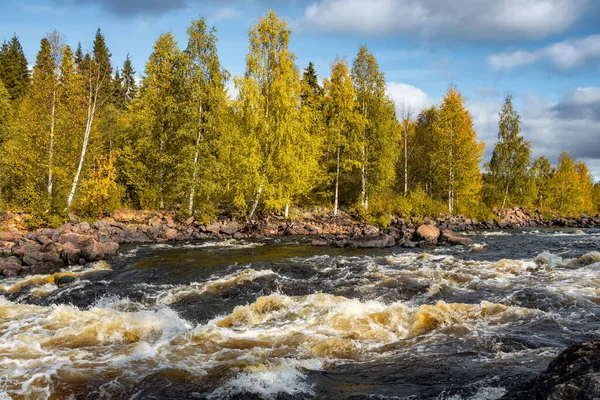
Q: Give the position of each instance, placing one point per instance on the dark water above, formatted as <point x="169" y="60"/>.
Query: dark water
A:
<point x="279" y="319"/>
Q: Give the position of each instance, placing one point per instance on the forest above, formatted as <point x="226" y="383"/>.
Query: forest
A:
<point x="79" y="134"/>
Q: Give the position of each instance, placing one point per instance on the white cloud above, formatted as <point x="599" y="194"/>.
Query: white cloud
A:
<point x="472" y="19"/>
<point x="572" y="124"/>
<point x="564" y="55"/>
<point x="411" y="96"/>
<point x="225" y="13"/>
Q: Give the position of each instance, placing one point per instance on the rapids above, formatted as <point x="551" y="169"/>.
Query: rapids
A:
<point x="279" y="319"/>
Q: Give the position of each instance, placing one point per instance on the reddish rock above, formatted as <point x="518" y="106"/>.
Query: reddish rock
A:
<point x="230" y="228"/>
<point x="170" y="234"/>
<point x="453" y="239"/>
<point x="428" y="233"/>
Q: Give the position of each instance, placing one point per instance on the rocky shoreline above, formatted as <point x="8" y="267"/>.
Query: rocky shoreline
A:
<point x="48" y="250"/>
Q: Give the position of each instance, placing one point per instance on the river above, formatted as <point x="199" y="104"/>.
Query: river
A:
<point x="280" y="319"/>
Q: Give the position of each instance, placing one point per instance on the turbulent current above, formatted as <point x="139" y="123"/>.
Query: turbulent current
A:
<point x="279" y="319"/>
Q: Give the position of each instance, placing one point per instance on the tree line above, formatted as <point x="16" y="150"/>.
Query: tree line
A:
<point x="78" y="134"/>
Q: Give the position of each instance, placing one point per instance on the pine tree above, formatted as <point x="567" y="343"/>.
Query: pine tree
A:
<point x="14" y="73"/>
<point x="510" y="160"/>
<point x="459" y="154"/>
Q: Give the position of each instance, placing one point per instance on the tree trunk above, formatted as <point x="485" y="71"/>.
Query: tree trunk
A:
<point x="92" y="100"/>
<point x="363" y="180"/>
<point x="51" y="144"/>
<point x="287" y="210"/>
<point x="337" y="182"/>
<point x="505" y="196"/>
<point x="195" y="171"/>
<point x="256" y="200"/>
<point x="405" y="160"/>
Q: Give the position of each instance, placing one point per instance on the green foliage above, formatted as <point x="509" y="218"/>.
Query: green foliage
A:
<point x="80" y="130"/>
<point x="508" y="168"/>
<point x="14" y="73"/>
<point x="100" y="192"/>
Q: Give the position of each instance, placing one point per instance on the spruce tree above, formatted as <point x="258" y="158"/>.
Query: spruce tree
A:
<point x="14" y="73"/>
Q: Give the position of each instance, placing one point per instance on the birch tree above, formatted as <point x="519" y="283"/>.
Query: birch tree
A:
<point x="342" y="118"/>
<point x="205" y="110"/>
<point x="97" y="72"/>
<point x="269" y="99"/>
<point x="459" y="154"/>
<point x="508" y="168"/>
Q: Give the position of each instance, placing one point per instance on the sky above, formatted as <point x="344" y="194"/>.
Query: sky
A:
<point x="545" y="53"/>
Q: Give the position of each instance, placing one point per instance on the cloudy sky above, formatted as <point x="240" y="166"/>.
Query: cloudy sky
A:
<point x="545" y="52"/>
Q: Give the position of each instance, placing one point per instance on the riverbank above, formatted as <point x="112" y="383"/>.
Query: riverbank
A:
<point x="47" y="250"/>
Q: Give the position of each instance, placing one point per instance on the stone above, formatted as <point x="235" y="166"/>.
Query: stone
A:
<point x="453" y="239"/>
<point x="427" y="233"/>
<point x="78" y="240"/>
<point x="230" y="228"/>
<point x="573" y="374"/>
<point x="81" y="227"/>
<point x="170" y="234"/>
<point x="70" y="254"/>
<point x="6" y="249"/>
<point x="95" y="251"/>
<point x="409" y="244"/>
<point x="9" y="269"/>
<point x="372" y="242"/>
<point x="9" y="236"/>
<point x="213" y="228"/>
<point x="237" y="235"/>
<point x="155" y="222"/>
<point x="320" y="242"/>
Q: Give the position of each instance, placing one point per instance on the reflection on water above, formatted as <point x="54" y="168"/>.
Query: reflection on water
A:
<point x="281" y="319"/>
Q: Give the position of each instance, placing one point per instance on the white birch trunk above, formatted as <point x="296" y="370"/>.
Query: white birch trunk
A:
<point x="405" y="159"/>
<point x="93" y="97"/>
<point x="195" y="171"/>
<point x="51" y="142"/>
<point x="287" y="210"/>
<point x="337" y="182"/>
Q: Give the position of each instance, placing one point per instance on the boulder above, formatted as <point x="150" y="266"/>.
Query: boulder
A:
<point x="70" y="254"/>
<point x="6" y="249"/>
<point x="9" y="236"/>
<point x="155" y="222"/>
<point x="409" y="244"/>
<point x="95" y="251"/>
<point x="320" y="242"/>
<point x="9" y="269"/>
<point x="82" y="227"/>
<point x="170" y="234"/>
<point x="453" y="239"/>
<point x="213" y="228"/>
<point x="372" y="242"/>
<point x="230" y="228"/>
<point x="573" y="374"/>
<point x="78" y="240"/>
<point x="427" y="233"/>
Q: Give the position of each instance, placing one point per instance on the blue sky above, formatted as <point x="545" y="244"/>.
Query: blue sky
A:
<point x="545" y="52"/>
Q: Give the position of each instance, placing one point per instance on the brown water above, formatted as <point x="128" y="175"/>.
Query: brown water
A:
<point x="281" y="319"/>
